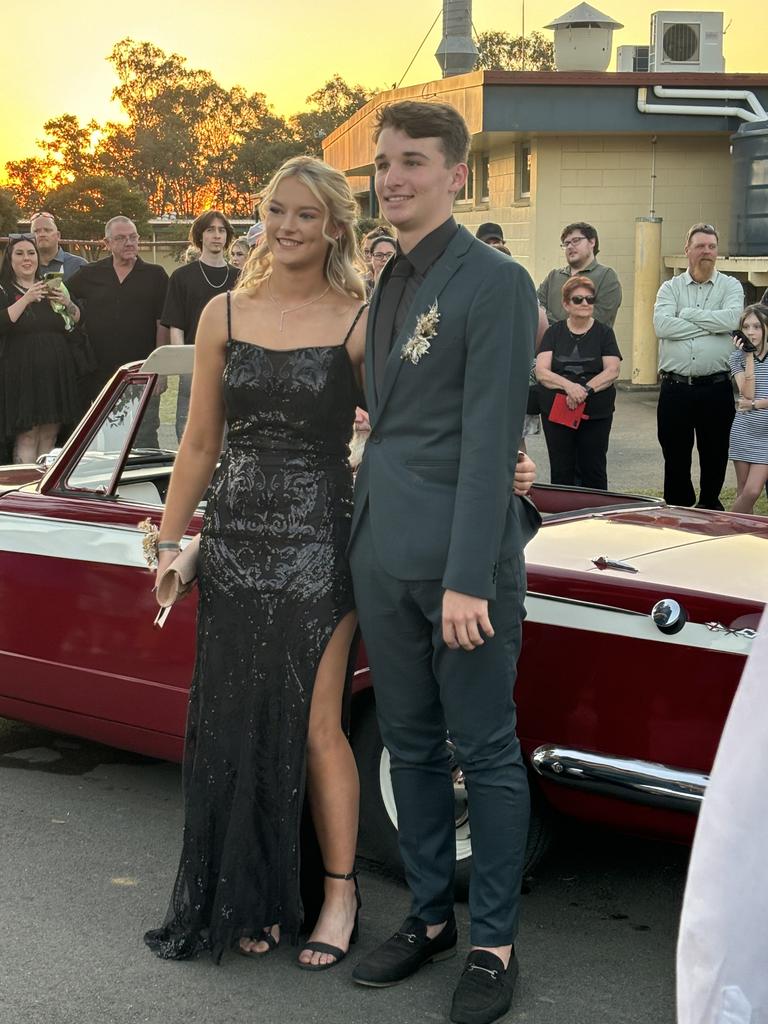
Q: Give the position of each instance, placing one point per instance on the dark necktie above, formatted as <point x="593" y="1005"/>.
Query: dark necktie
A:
<point x="391" y="298"/>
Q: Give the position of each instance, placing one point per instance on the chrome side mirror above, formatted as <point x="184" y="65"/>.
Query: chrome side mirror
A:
<point x="669" y="615"/>
<point x="48" y="458"/>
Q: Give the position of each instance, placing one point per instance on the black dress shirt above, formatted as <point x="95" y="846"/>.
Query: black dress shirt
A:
<point x="398" y="291"/>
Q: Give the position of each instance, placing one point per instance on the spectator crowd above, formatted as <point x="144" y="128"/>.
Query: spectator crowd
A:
<point x="66" y="325"/>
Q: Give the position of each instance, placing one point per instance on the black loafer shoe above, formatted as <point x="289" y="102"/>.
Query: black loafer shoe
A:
<point x="484" y="992"/>
<point x="402" y="955"/>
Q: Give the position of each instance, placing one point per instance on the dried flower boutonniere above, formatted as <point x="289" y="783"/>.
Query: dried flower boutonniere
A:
<point x="426" y="327"/>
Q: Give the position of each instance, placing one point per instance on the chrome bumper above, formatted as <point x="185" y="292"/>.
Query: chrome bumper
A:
<point x="656" y="785"/>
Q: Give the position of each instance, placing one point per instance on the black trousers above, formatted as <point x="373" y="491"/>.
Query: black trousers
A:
<point x="703" y="412"/>
<point x="424" y="691"/>
<point x="578" y="453"/>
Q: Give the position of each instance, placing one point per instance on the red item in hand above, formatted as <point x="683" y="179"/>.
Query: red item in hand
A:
<point x="560" y="413"/>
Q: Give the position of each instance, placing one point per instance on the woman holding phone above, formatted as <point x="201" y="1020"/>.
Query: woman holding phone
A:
<point x="748" y="446"/>
<point x="38" y="375"/>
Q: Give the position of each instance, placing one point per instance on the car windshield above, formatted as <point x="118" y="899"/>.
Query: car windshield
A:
<point x="153" y="435"/>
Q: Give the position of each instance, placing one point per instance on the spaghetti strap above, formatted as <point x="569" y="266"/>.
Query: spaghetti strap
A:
<point x="229" y="317"/>
<point x="352" y="326"/>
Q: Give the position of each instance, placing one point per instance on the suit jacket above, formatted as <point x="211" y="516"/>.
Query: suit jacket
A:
<point x="439" y="464"/>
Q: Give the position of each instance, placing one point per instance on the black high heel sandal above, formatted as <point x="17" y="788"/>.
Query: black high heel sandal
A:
<point x="265" y="936"/>
<point x="325" y="947"/>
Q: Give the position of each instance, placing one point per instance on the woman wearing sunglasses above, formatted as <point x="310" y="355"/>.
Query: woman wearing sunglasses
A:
<point x="578" y="358"/>
<point x="38" y="374"/>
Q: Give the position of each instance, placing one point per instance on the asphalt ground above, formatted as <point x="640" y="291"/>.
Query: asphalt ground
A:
<point x="90" y="838"/>
<point x="635" y="462"/>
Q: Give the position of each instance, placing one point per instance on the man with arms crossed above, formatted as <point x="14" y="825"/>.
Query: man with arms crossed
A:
<point x="437" y="552"/>
<point x="694" y="315"/>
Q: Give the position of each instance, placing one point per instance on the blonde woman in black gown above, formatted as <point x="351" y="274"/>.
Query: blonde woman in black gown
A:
<point x="279" y="363"/>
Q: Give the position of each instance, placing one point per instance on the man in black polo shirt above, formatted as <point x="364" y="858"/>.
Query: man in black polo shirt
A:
<point x="122" y="299"/>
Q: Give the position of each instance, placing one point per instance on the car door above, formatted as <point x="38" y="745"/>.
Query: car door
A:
<point x="76" y="633"/>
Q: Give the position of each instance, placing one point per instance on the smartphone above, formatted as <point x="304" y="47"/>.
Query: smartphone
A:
<point x="746" y="344"/>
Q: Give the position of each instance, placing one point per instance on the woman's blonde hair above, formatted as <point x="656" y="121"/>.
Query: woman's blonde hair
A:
<point x="332" y="191"/>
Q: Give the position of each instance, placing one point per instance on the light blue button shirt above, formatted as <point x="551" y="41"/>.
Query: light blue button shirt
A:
<point x="693" y="321"/>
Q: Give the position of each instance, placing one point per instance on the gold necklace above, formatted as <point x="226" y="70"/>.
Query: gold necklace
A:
<point x="292" y="309"/>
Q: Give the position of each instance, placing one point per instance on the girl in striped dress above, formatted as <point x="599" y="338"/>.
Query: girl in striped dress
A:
<point x="749" y="434"/>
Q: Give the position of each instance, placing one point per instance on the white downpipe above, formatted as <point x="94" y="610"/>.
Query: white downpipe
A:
<point x="713" y="94"/>
<point x="673" y="108"/>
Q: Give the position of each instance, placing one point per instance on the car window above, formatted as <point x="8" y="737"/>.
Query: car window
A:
<point x="96" y="467"/>
<point x="145" y="475"/>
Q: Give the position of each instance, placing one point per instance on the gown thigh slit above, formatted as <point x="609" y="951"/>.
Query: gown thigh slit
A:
<point x="274" y="584"/>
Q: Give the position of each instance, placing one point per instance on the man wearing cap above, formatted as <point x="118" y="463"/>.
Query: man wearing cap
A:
<point x="48" y="240"/>
<point x="491" y="234"/>
<point x="581" y="245"/>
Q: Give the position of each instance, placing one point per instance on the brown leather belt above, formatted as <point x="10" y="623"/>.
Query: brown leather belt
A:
<point x="680" y="378"/>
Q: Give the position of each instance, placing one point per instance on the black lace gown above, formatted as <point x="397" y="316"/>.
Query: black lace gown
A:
<point x="274" y="584"/>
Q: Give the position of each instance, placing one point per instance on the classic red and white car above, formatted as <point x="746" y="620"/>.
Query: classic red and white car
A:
<point x="640" y="617"/>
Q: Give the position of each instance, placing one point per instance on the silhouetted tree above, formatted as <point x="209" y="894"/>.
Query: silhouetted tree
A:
<point x="500" y="51"/>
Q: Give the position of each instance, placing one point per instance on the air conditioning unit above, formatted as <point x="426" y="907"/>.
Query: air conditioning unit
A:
<point x="687" y="41"/>
<point x="632" y="58"/>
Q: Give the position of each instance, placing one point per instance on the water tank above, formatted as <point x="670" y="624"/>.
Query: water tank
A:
<point x="749" y="190"/>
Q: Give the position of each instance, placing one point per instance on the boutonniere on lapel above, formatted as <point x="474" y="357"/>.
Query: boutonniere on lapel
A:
<point x="426" y="328"/>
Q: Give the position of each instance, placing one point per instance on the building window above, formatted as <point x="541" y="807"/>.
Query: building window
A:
<point x="524" y="170"/>
<point x="483" y="174"/>
<point x="467" y="194"/>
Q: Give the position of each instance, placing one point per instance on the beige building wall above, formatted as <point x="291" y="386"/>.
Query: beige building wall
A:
<point x="606" y="180"/>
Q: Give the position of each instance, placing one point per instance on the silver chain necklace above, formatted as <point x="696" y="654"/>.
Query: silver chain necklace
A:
<point x="209" y="281"/>
<point x="292" y="309"/>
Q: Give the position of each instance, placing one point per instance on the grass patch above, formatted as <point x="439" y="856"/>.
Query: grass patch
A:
<point x="727" y="496"/>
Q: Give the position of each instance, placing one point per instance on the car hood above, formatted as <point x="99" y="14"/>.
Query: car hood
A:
<point x="713" y="553"/>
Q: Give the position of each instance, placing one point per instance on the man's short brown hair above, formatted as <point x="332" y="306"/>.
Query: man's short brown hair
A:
<point x="204" y="221"/>
<point x="701" y="229"/>
<point x="427" y="121"/>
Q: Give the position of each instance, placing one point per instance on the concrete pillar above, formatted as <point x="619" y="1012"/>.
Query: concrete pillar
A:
<point x="647" y="281"/>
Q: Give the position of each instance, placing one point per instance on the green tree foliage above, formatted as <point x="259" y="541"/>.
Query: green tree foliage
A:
<point x="500" y="51"/>
<point x="185" y="143"/>
<point x="9" y="212"/>
<point x="84" y="205"/>
<point x="332" y="104"/>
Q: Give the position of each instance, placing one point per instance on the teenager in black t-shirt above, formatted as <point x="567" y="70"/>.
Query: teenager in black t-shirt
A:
<point x="579" y="358"/>
<point x="192" y="287"/>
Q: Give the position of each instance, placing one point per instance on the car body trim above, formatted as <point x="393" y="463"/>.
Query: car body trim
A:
<point x="112" y="544"/>
<point x="568" y="613"/>
<point x="104" y="543"/>
<point x="655" y="785"/>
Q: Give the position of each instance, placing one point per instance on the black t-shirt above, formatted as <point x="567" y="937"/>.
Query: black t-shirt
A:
<point x="190" y="290"/>
<point x="120" y="318"/>
<point x="579" y="357"/>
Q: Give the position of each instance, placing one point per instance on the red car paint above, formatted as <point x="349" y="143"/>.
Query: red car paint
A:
<point x="78" y="652"/>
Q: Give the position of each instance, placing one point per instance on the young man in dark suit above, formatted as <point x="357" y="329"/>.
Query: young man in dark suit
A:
<point x="437" y="552"/>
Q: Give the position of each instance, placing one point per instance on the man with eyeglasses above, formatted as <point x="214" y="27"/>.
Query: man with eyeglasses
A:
<point x="123" y="298"/>
<point x="581" y="245"/>
<point x="48" y="240"/>
<point x="694" y="316"/>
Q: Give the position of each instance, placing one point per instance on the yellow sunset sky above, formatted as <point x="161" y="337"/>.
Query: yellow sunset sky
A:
<point x="54" y="57"/>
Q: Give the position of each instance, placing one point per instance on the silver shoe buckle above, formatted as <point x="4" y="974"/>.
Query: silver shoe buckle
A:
<point x="476" y="967"/>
